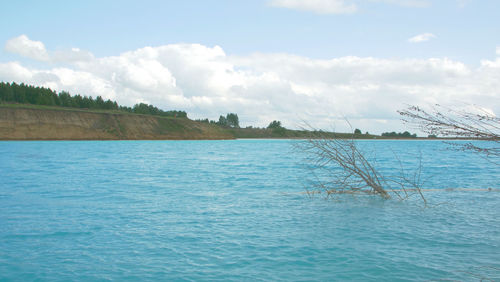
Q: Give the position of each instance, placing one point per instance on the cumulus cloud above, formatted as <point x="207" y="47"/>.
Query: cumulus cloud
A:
<point x="13" y="71"/>
<point x="317" y="6"/>
<point x="70" y="56"/>
<point x="421" y="38"/>
<point x="26" y="47"/>
<point x="206" y="82"/>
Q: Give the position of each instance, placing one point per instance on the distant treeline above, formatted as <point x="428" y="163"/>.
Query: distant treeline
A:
<point x="28" y="94"/>
<point x="405" y="134"/>
<point x="230" y="120"/>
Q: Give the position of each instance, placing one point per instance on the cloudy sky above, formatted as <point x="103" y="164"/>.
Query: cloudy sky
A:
<point x="314" y="61"/>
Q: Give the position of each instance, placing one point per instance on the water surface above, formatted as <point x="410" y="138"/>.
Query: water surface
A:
<point x="235" y="210"/>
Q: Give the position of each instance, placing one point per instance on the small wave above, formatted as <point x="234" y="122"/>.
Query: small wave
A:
<point x="49" y="235"/>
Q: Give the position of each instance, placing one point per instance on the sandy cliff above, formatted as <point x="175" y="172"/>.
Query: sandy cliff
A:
<point x="68" y="124"/>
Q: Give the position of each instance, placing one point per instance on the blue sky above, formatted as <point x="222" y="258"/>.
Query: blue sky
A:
<point x="467" y="32"/>
<point x="294" y="34"/>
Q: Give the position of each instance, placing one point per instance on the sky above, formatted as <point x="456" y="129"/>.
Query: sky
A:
<point x="316" y="62"/>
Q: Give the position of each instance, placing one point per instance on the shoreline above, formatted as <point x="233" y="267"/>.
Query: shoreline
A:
<point x="235" y="139"/>
<point x="19" y="122"/>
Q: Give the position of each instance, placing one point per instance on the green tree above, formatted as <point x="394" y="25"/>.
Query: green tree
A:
<point x="66" y="99"/>
<point x="78" y="101"/>
<point x="99" y="102"/>
<point x="277" y="128"/>
<point x="6" y="93"/>
<point x="29" y="94"/>
<point x="222" y="121"/>
<point x="405" y="134"/>
<point x="232" y="120"/>
<point x="275" y="124"/>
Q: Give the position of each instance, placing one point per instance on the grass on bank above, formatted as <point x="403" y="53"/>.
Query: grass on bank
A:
<point x="167" y="123"/>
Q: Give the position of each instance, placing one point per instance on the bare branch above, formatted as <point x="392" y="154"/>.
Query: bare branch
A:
<point x="340" y="167"/>
<point x="450" y="123"/>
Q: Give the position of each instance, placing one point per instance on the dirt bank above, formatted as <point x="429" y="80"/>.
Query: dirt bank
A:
<point x="66" y="124"/>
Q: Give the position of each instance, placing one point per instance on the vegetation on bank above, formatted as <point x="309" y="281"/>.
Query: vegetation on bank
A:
<point x="29" y="96"/>
<point x="275" y="129"/>
<point x="231" y="120"/>
<point x="256" y="132"/>
<point x="34" y="95"/>
<point x="33" y="122"/>
<point x="405" y="134"/>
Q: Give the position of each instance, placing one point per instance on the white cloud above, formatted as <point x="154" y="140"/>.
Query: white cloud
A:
<point x="71" y="55"/>
<point x="498" y="51"/>
<point x="13" y="71"/>
<point x="407" y="3"/>
<point x="317" y="6"/>
<point x="422" y="38"/>
<point x="340" y="6"/>
<point x="206" y="82"/>
<point x="26" y="47"/>
<point x="23" y="46"/>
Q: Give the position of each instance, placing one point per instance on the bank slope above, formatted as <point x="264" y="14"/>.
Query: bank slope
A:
<point x="28" y="123"/>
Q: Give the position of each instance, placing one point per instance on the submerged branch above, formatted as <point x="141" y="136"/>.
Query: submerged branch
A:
<point x="340" y="167"/>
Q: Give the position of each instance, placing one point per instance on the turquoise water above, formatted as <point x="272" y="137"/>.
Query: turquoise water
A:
<point x="235" y="210"/>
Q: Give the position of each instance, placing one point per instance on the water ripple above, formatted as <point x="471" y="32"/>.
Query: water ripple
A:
<point x="233" y="210"/>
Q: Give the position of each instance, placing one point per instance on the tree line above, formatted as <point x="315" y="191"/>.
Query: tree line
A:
<point x="230" y="120"/>
<point x="405" y="134"/>
<point x="29" y="94"/>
